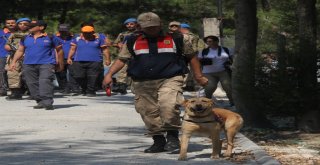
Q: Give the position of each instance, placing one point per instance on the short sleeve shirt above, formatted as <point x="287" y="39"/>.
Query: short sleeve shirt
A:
<point x="40" y="50"/>
<point x="3" y="52"/>
<point x="89" y="50"/>
<point x="217" y="61"/>
<point x="66" y="45"/>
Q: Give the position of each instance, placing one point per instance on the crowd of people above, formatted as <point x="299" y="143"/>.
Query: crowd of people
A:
<point x="157" y="66"/>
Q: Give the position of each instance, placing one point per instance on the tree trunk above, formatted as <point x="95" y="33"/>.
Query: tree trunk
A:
<point x="307" y="68"/>
<point x="244" y="63"/>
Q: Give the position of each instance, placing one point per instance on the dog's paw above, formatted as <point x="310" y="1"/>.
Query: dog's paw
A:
<point x="215" y="156"/>
<point x="182" y="158"/>
<point x="227" y="155"/>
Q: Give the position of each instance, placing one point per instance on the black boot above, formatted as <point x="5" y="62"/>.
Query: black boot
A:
<point x="15" y="94"/>
<point x="115" y="87"/>
<point x="122" y="88"/>
<point x="173" y="142"/>
<point x="158" y="145"/>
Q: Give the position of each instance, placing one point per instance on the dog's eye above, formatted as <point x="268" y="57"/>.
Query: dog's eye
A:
<point x="192" y="101"/>
<point x="204" y="101"/>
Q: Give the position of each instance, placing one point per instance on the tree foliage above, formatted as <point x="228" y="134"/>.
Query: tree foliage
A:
<point x="276" y="84"/>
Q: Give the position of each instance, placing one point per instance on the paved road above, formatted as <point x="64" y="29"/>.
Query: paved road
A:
<point x="100" y="130"/>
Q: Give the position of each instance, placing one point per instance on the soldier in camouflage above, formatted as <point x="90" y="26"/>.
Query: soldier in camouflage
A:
<point x="198" y="45"/>
<point x="157" y="65"/>
<point x="122" y="79"/>
<point x="15" y="76"/>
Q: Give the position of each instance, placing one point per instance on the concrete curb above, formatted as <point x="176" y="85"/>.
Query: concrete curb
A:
<point x="261" y="156"/>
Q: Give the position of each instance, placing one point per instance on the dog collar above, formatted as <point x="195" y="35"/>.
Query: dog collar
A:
<point x="211" y="121"/>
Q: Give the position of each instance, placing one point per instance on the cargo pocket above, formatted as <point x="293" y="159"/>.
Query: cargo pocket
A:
<point x="137" y="103"/>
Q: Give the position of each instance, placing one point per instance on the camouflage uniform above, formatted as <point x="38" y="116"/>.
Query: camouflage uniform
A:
<point x="157" y="100"/>
<point x="198" y="45"/>
<point x="122" y="78"/>
<point x="14" y="76"/>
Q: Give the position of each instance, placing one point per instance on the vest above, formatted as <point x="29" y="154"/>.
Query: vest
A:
<point x="16" y="37"/>
<point x="156" y="58"/>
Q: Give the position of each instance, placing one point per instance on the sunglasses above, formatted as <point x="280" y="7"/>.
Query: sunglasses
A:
<point x="174" y="26"/>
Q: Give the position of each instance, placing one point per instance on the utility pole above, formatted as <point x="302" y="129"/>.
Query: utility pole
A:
<point x="219" y="5"/>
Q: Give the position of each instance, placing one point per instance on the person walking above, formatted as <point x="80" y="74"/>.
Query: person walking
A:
<point x="66" y="81"/>
<point x="174" y="27"/>
<point x="15" y="82"/>
<point x="86" y="60"/>
<point x="10" y="27"/>
<point x="157" y="65"/>
<point x="39" y="50"/>
<point x="122" y="79"/>
<point x="197" y="44"/>
<point x="214" y="60"/>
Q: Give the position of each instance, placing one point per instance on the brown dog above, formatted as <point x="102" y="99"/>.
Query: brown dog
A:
<point x="198" y="118"/>
<point x="231" y="123"/>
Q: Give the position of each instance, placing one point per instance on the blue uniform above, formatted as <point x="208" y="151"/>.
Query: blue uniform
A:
<point x="39" y="68"/>
<point x="3" y="59"/>
<point x="40" y="50"/>
<point x="89" y="50"/>
<point x="66" y="45"/>
<point x="3" y="52"/>
<point x="87" y="64"/>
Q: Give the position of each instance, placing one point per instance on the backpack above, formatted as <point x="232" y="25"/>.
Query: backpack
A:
<point x="227" y="64"/>
<point x="206" y="51"/>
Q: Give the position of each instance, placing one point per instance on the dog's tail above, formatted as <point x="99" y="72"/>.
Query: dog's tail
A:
<point x="240" y="122"/>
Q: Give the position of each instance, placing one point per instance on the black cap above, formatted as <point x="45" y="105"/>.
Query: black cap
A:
<point x="38" y="23"/>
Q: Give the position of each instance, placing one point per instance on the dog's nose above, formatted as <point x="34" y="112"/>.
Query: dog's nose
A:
<point x="198" y="106"/>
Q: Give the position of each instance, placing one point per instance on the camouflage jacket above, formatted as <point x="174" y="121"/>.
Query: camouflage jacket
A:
<point x="121" y="37"/>
<point x="15" y="38"/>
<point x="197" y="43"/>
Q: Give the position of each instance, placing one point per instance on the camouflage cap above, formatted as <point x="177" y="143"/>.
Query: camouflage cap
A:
<point x="148" y="19"/>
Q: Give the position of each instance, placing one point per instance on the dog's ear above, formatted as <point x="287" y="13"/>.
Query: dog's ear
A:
<point x="184" y="103"/>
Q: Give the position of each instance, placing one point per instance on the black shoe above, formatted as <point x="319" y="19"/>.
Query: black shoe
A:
<point x="173" y="142"/>
<point x="49" y="107"/>
<point x="123" y="92"/>
<point x="29" y="98"/>
<point x="46" y="107"/>
<point x="39" y="106"/>
<point x="158" y="145"/>
<point x="13" y="97"/>
<point x="66" y="91"/>
<point x="189" y="88"/>
<point x="122" y="88"/>
<point x="115" y="87"/>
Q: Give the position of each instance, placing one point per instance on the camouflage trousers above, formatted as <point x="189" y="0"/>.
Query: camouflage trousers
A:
<point x="158" y="102"/>
<point x="189" y="80"/>
<point x="122" y="75"/>
<point x="14" y="76"/>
